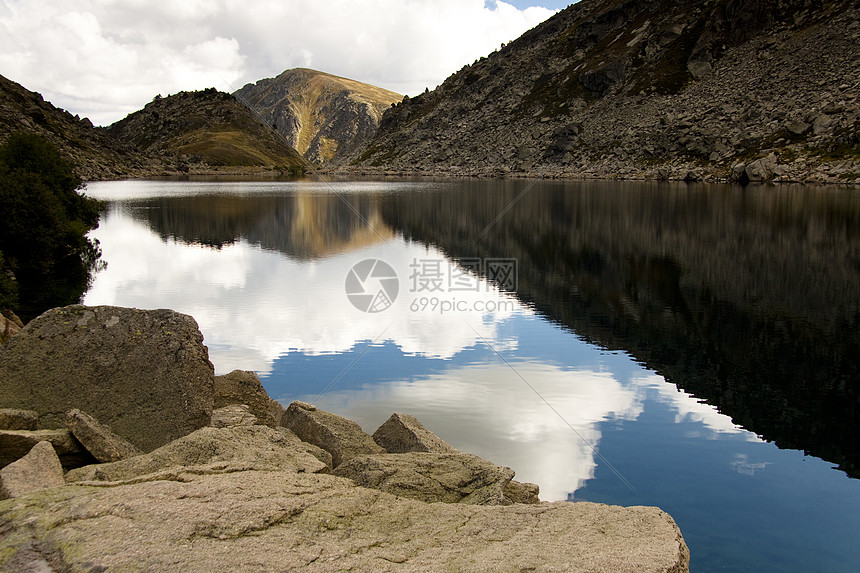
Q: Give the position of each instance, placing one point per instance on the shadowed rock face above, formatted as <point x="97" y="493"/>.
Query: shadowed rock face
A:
<point x="143" y="373"/>
<point x="324" y="117"/>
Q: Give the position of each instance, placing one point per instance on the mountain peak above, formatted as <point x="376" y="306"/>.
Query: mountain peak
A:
<point x="322" y="115"/>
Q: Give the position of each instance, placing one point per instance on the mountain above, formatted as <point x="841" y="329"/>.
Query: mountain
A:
<point x="94" y="154"/>
<point x="743" y="89"/>
<point x="201" y="130"/>
<point x="324" y="117"/>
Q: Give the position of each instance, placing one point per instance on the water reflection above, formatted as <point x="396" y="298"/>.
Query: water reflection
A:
<point x="745" y="300"/>
<point x="748" y="298"/>
<point x="550" y="435"/>
<point x="254" y="305"/>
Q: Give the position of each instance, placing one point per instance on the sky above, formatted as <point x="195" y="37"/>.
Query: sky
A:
<point x="104" y="59"/>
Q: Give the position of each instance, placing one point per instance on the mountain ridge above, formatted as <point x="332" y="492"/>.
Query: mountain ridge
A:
<point x="675" y="89"/>
<point x="201" y="130"/>
<point x="94" y="154"/>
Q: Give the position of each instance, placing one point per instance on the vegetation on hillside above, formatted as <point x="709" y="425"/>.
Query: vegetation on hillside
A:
<point x="45" y="255"/>
<point x="200" y="130"/>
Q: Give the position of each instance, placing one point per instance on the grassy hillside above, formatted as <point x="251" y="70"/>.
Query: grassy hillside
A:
<point x="206" y="129"/>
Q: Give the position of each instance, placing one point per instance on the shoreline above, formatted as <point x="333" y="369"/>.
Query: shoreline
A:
<point x="677" y="174"/>
<point x="184" y="470"/>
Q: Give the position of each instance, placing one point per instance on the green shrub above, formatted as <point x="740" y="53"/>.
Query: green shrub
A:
<point x="45" y="218"/>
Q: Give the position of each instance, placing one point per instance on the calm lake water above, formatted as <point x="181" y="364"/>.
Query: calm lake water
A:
<point x="693" y="347"/>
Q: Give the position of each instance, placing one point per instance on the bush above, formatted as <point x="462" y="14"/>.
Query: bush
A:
<point x="46" y="219"/>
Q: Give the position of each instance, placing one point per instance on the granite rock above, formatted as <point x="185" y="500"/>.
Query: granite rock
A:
<point x="39" y="469"/>
<point x="143" y="373"/>
<point x="342" y="438"/>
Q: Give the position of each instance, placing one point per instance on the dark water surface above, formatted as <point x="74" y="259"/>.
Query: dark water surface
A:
<point x="691" y="347"/>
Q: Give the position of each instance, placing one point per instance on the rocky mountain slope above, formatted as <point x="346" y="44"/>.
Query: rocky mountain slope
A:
<point x="719" y="89"/>
<point x="323" y="116"/>
<point x="94" y="154"/>
<point x="200" y="130"/>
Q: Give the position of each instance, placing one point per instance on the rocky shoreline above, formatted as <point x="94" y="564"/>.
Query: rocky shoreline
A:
<point x="121" y="450"/>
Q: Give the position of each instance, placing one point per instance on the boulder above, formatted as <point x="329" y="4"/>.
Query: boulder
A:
<point x="213" y="449"/>
<point x="431" y="477"/>
<point x="99" y="440"/>
<point x="797" y="127"/>
<point x="342" y="438"/>
<point x="15" y="444"/>
<point x="821" y="124"/>
<point x="286" y="521"/>
<point x="12" y="419"/>
<point x="244" y="387"/>
<point x="144" y="373"/>
<point x="232" y="416"/>
<point x="39" y="469"/>
<point x="8" y="328"/>
<point x="403" y="433"/>
<point x="699" y="69"/>
<point x="761" y="169"/>
<point x="518" y="492"/>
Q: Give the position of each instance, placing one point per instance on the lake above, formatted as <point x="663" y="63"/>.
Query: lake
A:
<point x="694" y="347"/>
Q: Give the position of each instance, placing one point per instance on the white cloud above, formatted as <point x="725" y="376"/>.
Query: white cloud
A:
<point x="487" y="410"/>
<point x="254" y="305"/>
<point x="106" y="58"/>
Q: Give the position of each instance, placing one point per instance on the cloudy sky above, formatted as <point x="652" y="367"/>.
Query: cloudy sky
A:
<point x="104" y="59"/>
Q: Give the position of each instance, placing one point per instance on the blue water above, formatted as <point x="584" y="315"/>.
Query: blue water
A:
<point x="581" y="421"/>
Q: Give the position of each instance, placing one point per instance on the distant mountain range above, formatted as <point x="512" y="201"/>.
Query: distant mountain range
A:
<point x="211" y="132"/>
<point x="744" y="90"/>
<point x="324" y="117"/>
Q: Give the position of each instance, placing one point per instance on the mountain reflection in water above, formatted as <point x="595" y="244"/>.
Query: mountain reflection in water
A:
<point x="650" y="328"/>
<point x="747" y="298"/>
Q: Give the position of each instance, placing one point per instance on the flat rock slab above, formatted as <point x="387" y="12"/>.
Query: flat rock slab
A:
<point x="221" y="449"/>
<point x="233" y="415"/>
<point x="403" y="433"/>
<point x="143" y="373"/>
<point x="12" y="419"/>
<point x="39" y="469"/>
<point x="15" y="444"/>
<point x="342" y="438"/>
<point x="428" y="477"/>
<point x="104" y="445"/>
<point x="282" y="521"/>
